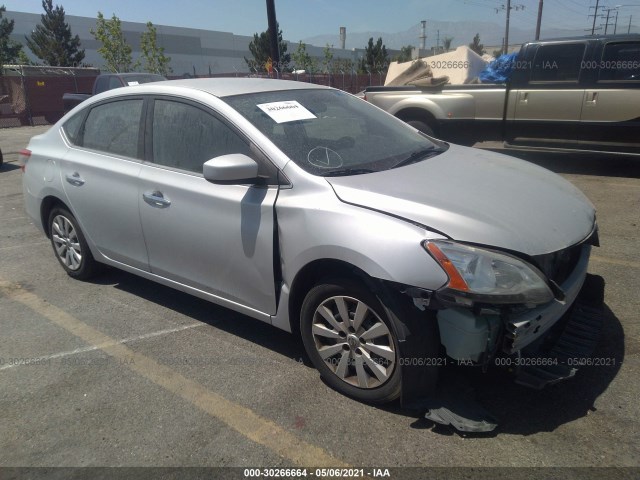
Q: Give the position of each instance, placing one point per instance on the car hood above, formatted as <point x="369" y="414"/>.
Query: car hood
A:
<point x="480" y="197"/>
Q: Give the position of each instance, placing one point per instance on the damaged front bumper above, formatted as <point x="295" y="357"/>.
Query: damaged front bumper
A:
<point x="542" y="345"/>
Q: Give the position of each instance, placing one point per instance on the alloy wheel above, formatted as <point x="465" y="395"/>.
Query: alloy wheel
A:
<point x="354" y="342"/>
<point x="66" y="242"/>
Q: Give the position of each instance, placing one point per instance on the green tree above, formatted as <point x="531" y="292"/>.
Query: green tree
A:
<point x="345" y="65"/>
<point x="376" y="58"/>
<point x="9" y="49"/>
<point x="327" y="63"/>
<point x="301" y="57"/>
<point x="114" y="48"/>
<point x="446" y="43"/>
<point x="476" y="46"/>
<point x="23" y="59"/>
<point x="497" y="53"/>
<point x="52" y="42"/>
<point x="155" y="59"/>
<point x="260" y="48"/>
<point x="405" y="55"/>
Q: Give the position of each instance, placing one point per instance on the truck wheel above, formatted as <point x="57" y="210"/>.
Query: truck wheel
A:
<point x="422" y="126"/>
<point x="351" y="341"/>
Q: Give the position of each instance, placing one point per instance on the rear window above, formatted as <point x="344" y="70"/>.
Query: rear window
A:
<point x="114" y="127"/>
<point x="72" y="127"/>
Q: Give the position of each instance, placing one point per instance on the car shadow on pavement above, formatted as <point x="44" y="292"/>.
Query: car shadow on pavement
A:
<point x="519" y="410"/>
<point x="200" y="310"/>
<point x="524" y="411"/>
<point x="7" y="167"/>
<point x="596" y="164"/>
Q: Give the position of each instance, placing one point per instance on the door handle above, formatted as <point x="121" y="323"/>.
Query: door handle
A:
<point x="75" y="179"/>
<point x="156" y="199"/>
<point x="592" y="98"/>
<point x="524" y="98"/>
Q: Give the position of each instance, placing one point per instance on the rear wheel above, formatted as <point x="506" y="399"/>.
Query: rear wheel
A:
<point x="70" y="246"/>
<point x="351" y="341"/>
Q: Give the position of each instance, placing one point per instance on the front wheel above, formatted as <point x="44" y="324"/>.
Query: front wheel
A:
<point x="70" y="246"/>
<point x="351" y="341"/>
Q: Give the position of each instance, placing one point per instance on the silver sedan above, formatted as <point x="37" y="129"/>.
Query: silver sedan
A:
<point x="387" y="251"/>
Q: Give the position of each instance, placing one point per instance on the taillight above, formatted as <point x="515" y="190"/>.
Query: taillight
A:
<point x="23" y="158"/>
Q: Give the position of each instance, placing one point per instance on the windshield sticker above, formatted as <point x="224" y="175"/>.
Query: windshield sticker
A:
<point x="289" y="111"/>
<point x="133" y="83"/>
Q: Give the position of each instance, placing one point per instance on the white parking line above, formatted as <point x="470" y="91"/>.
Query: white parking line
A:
<point x="243" y="420"/>
<point x="23" y="245"/>
<point x="109" y="344"/>
<point x="615" y="261"/>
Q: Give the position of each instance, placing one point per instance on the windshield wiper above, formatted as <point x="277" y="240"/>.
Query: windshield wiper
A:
<point x="347" y="171"/>
<point x="418" y="155"/>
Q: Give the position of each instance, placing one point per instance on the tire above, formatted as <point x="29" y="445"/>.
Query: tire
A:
<point x="360" y="361"/>
<point x="70" y="246"/>
<point x="422" y="126"/>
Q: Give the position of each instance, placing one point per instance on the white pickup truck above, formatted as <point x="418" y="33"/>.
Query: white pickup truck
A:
<point x="580" y="93"/>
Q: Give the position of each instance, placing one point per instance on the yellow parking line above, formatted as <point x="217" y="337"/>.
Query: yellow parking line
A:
<point x="615" y="261"/>
<point x="244" y="420"/>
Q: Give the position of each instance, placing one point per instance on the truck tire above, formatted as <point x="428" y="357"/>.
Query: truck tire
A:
<point x="422" y="126"/>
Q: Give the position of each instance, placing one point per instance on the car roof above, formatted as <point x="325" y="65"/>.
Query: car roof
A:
<point x="225" y="87"/>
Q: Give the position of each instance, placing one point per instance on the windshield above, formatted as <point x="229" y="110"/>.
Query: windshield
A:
<point x="329" y="132"/>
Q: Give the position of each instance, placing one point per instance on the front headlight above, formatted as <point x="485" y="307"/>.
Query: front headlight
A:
<point x="486" y="276"/>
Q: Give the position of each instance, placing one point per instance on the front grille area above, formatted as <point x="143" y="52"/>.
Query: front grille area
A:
<point x="557" y="266"/>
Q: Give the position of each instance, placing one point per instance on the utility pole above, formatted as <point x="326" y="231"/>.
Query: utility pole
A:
<point x="273" y="33"/>
<point x="508" y="8"/>
<point x="438" y="42"/>
<point x="615" y="27"/>
<point x="606" y="24"/>
<point x="506" y="35"/>
<point x="629" y="29"/>
<point x="595" y="16"/>
<point x="539" y="19"/>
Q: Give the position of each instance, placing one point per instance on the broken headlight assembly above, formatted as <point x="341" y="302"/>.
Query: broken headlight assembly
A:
<point x="478" y="275"/>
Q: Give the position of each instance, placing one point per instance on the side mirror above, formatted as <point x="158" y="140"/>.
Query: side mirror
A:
<point x="230" y="169"/>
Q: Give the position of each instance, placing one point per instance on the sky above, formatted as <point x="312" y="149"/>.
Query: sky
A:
<point x="300" y="19"/>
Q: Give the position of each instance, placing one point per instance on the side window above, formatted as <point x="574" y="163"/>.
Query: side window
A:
<point x="621" y="62"/>
<point x="72" y="127"/>
<point x="114" y="82"/>
<point x="185" y="136"/>
<point x="101" y="84"/>
<point x="114" y="127"/>
<point x="558" y="63"/>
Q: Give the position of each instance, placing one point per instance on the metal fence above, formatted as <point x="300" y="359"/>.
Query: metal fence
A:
<point x="31" y="95"/>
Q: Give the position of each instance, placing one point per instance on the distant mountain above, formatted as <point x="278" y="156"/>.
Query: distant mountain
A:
<point x="491" y="35"/>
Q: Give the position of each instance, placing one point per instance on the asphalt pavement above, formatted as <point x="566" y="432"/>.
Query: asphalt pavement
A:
<point x="122" y="372"/>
